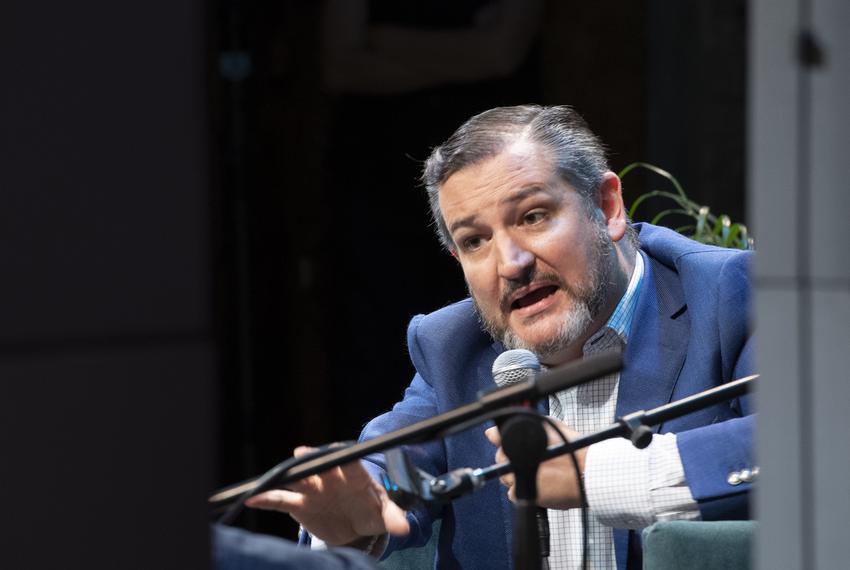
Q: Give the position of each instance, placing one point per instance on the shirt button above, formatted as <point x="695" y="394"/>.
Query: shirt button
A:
<point x="734" y="478"/>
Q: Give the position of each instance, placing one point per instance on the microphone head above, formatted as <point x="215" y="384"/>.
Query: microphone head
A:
<point x="514" y="366"/>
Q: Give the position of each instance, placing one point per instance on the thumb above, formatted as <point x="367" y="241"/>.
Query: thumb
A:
<point x="395" y="519"/>
<point x="493" y="435"/>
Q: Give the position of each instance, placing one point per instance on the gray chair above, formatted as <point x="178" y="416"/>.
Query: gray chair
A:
<point x="698" y="545"/>
<point x="414" y="558"/>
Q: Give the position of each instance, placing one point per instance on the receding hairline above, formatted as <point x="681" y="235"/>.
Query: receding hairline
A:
<point x="522" y="136"/>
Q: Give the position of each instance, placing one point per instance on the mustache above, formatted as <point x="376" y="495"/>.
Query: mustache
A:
<point x="550" y="278"/>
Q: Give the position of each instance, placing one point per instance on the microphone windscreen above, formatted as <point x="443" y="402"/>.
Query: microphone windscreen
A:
<point x="514" y="366"/>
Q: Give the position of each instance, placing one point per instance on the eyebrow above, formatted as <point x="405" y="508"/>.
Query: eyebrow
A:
<point x="524" y="193"/>
<point x="517" y="196"/>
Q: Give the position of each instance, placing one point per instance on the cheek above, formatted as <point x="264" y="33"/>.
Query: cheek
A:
<point x="482" y="286"/>
<point x="569" y="261"/>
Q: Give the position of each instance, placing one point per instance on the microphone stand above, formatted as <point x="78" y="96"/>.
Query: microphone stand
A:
<point x="463" y="417"/>
<point x="524" y="442"/>
<point x="634" y="426"/>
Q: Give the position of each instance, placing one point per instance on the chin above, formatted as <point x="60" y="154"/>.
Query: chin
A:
<point x="540" y="329"/>
<point x="539" y="342"/>
<point x="538" y="338"/>
<point x="550" y="333"/>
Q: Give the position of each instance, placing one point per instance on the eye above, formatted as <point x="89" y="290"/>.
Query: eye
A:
<point x="471" y="243"/>
<point x="534" y="217"/>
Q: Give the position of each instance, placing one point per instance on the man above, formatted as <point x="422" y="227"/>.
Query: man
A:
<point x="523" y="198"/>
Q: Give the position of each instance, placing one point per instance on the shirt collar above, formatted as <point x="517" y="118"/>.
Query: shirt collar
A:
<point x="620" y="323"/>
<point x="621" y="319"/>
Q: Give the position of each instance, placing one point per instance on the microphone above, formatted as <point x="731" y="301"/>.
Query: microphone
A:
<point x="510" y="367"/>
<point x="514" y="366"/>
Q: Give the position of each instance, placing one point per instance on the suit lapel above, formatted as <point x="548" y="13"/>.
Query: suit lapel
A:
<point x="654" y="355"/>
<point x="658" y="341"/>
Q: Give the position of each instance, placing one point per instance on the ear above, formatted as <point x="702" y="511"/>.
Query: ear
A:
<point x="612" y="207"/>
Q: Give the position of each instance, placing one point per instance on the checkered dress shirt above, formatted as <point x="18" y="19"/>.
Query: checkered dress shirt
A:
<point x="626" y="487"/>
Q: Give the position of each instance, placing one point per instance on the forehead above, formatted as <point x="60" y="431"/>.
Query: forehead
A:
<point x="521" y="165"/>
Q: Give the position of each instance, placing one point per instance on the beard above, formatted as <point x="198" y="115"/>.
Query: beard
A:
<point x="588" y="298"/>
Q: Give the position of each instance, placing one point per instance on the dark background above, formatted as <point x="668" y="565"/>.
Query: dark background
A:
<point x="212" y="234"/>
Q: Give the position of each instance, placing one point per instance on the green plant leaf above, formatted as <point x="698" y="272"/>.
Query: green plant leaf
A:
<point x="659" y="193"/>
<point x="746" y="241"/>
<point x="721" y="228"/>
<point x="700" y="232"/>
<point x="661" y="215"/>
<point x="658" y="171"/>
<point x="707" y="227"/>
<point x="731" y="238"/>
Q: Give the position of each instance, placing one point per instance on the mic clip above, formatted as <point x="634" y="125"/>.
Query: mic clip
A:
<point x="409" y="486"/>
<point x="638" y="432"/>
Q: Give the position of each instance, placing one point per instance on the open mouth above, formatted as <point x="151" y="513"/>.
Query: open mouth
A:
<point x="534" y="297"/>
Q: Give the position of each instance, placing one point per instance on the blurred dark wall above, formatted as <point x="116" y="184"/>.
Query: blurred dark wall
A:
<point x="696" y="81"/>
<point x="107" y="353"/>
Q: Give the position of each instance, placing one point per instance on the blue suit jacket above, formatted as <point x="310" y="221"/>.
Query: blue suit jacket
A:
<point x="690" y="332"/>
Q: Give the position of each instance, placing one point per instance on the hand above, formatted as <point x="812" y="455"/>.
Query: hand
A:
<point x="339" y="506"/>
<point x="557" y="485"/>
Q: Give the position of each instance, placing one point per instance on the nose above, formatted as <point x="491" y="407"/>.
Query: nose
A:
<point x="515" y="260"/>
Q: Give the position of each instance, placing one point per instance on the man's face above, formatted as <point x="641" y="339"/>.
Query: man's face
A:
<point x="537" y="262"/>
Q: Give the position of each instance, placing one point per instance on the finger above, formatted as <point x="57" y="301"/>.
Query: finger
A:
<point x="307" y="486"/>
<point x="354" y="472"/>
<point x="303" y="450"/>
<point x="352" y="476"/>
<point x="566" y="430"/>
<point x="387" y="518"/>
<point x="493" y="435"/>
<point x="277" y="500"/>
<point x="512" y="494"/>
<point x="507" y="480"/>
<point x="310" y="484"/>
<point x="500" y="456"/>
<point x="395" y="519"/>
<point x="552" y="435"/>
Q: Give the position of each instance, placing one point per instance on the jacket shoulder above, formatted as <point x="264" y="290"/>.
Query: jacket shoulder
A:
<point x="692" y="259"/>
<point x="451" y="334"/>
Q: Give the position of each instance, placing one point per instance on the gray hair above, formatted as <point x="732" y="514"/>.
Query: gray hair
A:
<point x="578" y="154"/>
